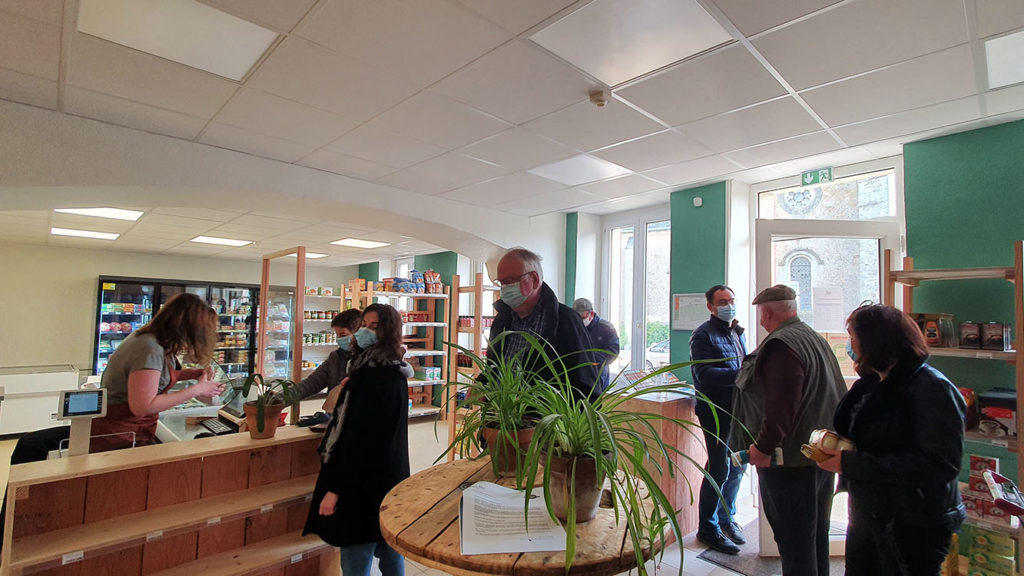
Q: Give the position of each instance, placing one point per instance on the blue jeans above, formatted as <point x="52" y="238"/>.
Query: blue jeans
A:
<point x="712" y="511"/>
<point x="357" y="559"/>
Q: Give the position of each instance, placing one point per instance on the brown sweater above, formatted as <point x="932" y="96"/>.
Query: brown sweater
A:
<point x="782" y="375"/>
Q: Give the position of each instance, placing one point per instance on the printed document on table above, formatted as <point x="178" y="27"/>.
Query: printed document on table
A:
<point x="492" y="521"/>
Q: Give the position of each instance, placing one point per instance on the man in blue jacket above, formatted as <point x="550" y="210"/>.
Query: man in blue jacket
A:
<point x="721" y="337"/>
<point x="602" y="335"/>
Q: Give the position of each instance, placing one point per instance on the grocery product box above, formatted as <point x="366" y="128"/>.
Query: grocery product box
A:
<point x="981" y="463"/>
<point x="997" y="515"/>
<point x="326" y="290"/>
<point x="357" y="284"/>
<point x="975" y="507"/>
<point x="310" y="291"/>
<point x="978" y="570"/>
<point x="993" y="563"/>
<point x="978" y="486"/>
<point x="991" y="541"/>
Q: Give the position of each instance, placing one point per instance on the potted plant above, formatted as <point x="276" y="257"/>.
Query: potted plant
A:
<point x="498" y="406"/>
<point x="263" y="412"/>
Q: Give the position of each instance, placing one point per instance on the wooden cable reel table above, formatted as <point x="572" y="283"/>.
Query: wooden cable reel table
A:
<point x="420" y="519"/>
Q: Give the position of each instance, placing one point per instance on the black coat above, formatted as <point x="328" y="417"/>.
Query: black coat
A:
<point x="370" y="457"/>
<point x="909" y="432"/>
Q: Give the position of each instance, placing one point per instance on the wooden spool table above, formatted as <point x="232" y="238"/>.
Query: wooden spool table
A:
<point x="420" y="519"/>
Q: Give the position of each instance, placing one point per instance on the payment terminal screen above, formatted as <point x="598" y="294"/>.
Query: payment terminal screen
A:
<point x="82" y="403"/>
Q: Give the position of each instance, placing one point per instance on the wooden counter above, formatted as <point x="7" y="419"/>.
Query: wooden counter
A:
<point x="180" y="508"/>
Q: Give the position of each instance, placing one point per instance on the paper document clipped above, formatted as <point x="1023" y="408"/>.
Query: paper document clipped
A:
<point x="492" y="521"/>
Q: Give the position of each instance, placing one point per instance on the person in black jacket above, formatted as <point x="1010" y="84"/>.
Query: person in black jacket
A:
<point x="528" y="305"/>
<point x="907" y="422"/>
<point x="365" y="450"/>
<point x="602" y="334"/>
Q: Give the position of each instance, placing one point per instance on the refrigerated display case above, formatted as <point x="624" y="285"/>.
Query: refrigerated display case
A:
<point x="126" y="304"/>
<point x="277" y="352"/>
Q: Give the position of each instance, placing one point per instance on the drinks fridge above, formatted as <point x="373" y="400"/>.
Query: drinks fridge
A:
<point x="126" y="304"/>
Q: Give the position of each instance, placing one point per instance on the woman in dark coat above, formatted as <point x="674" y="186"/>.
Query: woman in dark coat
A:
<point x="365" y="450"/>
<point x="907" y="421"/>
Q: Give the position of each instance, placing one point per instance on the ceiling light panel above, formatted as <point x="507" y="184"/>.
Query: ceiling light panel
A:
<point x="357" y="243"/>
<point x="220" y="241"/>
<point x="1003" y="56"/>
<point x="84" y="233"/>
<point x="578" y="170"/>
<point x="115" y="213"/>
<point x="183" y="31"/>
<point x="618" y="40"/>
<point x="311" y="255"/>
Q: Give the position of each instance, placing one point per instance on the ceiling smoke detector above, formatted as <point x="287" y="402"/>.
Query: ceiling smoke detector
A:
<point x="599" y="98"/>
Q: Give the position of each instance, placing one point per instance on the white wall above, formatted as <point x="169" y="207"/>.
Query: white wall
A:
<point x="738" y="250"/>
<point x="48" y="296"/>
<point x="588" y="258"/>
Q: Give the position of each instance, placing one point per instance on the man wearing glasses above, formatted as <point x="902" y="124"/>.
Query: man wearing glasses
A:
<point x="529" y="305"/>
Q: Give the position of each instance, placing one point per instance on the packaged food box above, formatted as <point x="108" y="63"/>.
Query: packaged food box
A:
<point x="995" y="336"/>
<point x="310" y="291"/>
<point x="981" y="463"/>
<point x="357" y="284"/>
<point x="974" y="506"/>
<point x="970" y="335"/>
<point x="997" y="515"/>
<point x="991" y="561"/>
<point x="327" y="291"/>
<point x="978" y="486"/>
<point x="991" y="541"/>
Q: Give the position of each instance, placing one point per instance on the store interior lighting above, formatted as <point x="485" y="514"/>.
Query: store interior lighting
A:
<point x="220" y="241"/>
<point x="114" y="213"/>
<point x="84" y="233"/>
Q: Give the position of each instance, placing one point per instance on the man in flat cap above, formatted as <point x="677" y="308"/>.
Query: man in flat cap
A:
<point x="789" y="387"/>
<point x="603" y="336"/>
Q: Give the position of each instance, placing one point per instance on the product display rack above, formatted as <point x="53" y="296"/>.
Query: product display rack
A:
<point x="318" y="337"/>
<point x="483" y="297"/>
<point x="909" y="278"/>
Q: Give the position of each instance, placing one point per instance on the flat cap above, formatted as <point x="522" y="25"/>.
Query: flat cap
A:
<point x="582" y="305"/>
<point x="774" y="294"/>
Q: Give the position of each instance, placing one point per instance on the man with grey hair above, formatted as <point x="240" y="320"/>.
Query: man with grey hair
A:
<point x="789" y="387"/>
<point x="529" y="305"/>
<point x="602" y="335"/>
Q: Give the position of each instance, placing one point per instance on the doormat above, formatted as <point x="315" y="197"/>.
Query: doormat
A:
<point x="747" y="562"/>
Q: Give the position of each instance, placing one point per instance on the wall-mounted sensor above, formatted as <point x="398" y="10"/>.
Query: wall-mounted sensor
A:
<point x="698" y="201"/>
<point x="599" y="98"/>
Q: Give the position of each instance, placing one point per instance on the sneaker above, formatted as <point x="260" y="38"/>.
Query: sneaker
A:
<point x="733" y="531"/>
<point x="717" y="541"/>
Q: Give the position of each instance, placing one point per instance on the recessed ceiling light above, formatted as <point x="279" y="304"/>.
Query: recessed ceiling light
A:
<point x="357" y="243"/>
<point x="220" y="241"/>
<point x="578" y="170"/>
<point x="84" y="233"/>
<point x="184" y="31"/>
<point x="618" y="40"/>
<point x="1003" y="56"/>
<point x="115" y="213"/>
<point x="311" y="255"/>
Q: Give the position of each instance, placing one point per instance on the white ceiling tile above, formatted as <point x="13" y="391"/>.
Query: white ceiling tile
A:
<point x="346" y="165"/>
<point x="587" y="127"/>
<point x="503" y="190"/>
<point x="73" y="242"/>
<point x="196" y="249"/>
<point x="783" y="150"/>
<point x="518" y="149"/>
<point x="627" y="185"/>
<point x="1003" y="60"/>
<point x="268" y="221"/>
<point x="302" y="71"/>
<point x="47" y="11"/>
<point x="1004" y="100"/>
<point x="773" y="120"/>
<point x="762" y="174"/>
<point x="724" y="80"/>
<point x="199" y="213"/>
<point x="186" y="223"/>
<point x="753" y="16"/>
<point x="686" y="172"/>
<point x="416" y="181"/>
<point x="618" y="40"/>
<point x="145" y="243"/>
<point x="89" y="104"/>
<point x="930" y="79"/>
<point x="252" y="143"/>
<point x="462" y="170"/>
<point x="668" y="147"/>
<point x="861" y="36"/>
<point x="630" y="203"/>
<point x="438" y="120"/>
<point x="912" y="121"/>
<point x="27" y="89"/>
<point x="275" y="116"/>
<point x="996" y="17"/>
<point x="281" y="16"/>
<point x="843" y="157"/>
<point x="158" y="231"/>
<point x="29" y="46"/>
<point x="519" y="16"/>
<point x="578" y="170"/>
<point x="420" y="41"/>
<point x="242" y="232"/>
<point x="369" y="142"/>
<point x="516" y="82"/>
<point x="107" y="68"/>
<point x="549" y="202"/>
<point x="25" y="216"/>
<point x="77" y="222"/>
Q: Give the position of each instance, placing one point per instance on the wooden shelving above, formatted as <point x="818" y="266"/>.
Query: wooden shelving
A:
<point x="277" y="552"/>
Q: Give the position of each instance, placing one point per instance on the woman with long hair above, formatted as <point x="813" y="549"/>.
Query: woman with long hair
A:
<point x="907" y="421"/>
<point x="365" y="450"/>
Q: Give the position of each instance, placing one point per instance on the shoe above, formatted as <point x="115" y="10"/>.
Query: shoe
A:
<point x="717" y="541"/>
<point x="733" y="531"/>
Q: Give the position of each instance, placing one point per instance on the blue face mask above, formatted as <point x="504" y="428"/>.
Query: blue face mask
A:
<point x="512" y="295"/>
<point x="849" y="350"/>
<point x="726" y="313"/>
<point x="344" y="342"/>
<point x="365" y="337"/>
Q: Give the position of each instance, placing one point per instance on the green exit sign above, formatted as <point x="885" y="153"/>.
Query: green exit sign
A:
<point x="816" y="176"/>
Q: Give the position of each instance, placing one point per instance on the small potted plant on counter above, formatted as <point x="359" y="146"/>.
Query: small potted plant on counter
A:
<point x="263" y="412"/>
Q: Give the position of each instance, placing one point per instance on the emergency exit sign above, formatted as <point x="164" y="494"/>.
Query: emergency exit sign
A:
<point x="819" y="176"/>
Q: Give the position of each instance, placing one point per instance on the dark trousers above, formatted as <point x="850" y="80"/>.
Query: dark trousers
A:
<point x="797" y="502"/>
<point x="876" y="548"/>
<point x="713" y="509"/>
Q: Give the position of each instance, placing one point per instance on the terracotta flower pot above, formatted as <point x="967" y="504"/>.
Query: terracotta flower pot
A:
<point x="271" y="417"/>
<point x="588" y="487"/>
<point x="506" y="457"/>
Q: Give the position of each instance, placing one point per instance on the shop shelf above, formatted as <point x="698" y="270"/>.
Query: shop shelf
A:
<point x="408" y="295"/>
<point x="1008" y="442"/>
<point x="1003" y="528"/>
<point x="419" y="353"/>
<point x="425" y="324"/>
<point x="1007" y="356"/>
<point x="414" y="382"/>
<point x="264" y="556"/>
<point x="420" y="410"/>
<point x="914" y="277"/>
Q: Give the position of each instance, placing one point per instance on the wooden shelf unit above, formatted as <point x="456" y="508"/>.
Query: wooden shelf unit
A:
<point x="166" y="506"/>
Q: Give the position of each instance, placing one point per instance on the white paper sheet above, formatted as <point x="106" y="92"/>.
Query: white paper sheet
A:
<point x="492" y="521"/>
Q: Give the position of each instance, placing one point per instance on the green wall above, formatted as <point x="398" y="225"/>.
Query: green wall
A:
<point x="446" y="264"/>
<point x="698" y="252"/>
<point x="571" y="243"/>
<point x="965" y="208"/>
<point x="370" y="271"/>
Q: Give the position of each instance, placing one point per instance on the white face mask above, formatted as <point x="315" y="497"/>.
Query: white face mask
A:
<point x="512" y="295"/>
<point x="587" y="320"/>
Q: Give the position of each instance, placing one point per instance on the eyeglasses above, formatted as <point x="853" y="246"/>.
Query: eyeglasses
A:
<point x="512" y="280"/>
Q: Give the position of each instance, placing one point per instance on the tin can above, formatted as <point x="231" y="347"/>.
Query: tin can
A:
<point x="993" y="336"/>
<point x="970" y="335"/>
